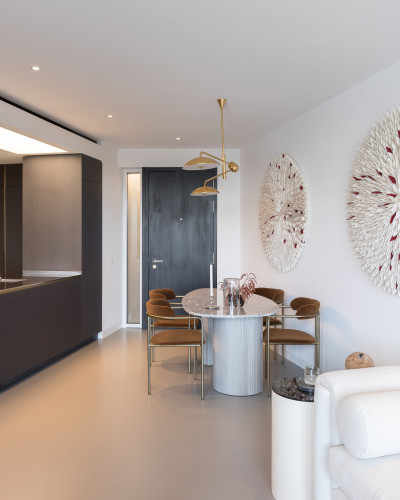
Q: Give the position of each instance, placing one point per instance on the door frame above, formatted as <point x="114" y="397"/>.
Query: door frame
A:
<point x="125" y="323"/>
<point x="145" y="233"/>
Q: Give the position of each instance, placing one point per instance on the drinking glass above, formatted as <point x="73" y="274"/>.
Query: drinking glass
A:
<point x="310" y="374"/>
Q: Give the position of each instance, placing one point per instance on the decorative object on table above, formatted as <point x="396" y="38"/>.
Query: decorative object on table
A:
<point x="207" y="160"/>
<point x="358" y="360"/>
<point x="283" y="213"/>
<point x="247" y="287"/>
<point x="310" y="374"/>
<point x="373" y="203"/>
<point x="231" y="290"/>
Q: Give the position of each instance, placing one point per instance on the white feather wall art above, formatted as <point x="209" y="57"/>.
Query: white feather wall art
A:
<point x="283" y="213"/>
<point x="374" y="203"/>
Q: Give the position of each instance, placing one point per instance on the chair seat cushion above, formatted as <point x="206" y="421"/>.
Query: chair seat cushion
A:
<point x="175" y="323"/>
<point x="365" y="479"/>
<point x="177" y="337"/>
<point x="288" y="336"/>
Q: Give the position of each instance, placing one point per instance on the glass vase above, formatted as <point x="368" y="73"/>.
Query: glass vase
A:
<point x="231" y="288"/>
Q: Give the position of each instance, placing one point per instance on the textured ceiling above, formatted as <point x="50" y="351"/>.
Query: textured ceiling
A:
<point x="160" y="66"/>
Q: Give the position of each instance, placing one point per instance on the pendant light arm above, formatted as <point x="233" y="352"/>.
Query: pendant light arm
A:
<point x="203" y="153"/>
<point x="232" y="168"/>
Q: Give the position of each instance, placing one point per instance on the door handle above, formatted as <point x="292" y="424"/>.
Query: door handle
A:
<point x="155" y="260"/>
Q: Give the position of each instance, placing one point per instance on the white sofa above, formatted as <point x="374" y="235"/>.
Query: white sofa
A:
<point x="357" y="434"/>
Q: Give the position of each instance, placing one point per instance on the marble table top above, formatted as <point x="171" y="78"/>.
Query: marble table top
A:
<point x="287" y="388"/>
<point x="257" y="306"/>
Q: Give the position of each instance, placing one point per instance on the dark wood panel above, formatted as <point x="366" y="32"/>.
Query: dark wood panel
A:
<point x="91" y="251"/>
<point x="13" y="247"/>
<point x="38" y="325"/>
<point x="91" y="169"/>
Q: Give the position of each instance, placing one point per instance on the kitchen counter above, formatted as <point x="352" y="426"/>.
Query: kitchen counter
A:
<point x="13" y="285"/>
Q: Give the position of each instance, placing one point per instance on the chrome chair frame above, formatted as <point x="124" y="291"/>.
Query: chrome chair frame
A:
<point x="175" y="328"/>
<point x="316" y="343"/>
<point x="151" y="318"/>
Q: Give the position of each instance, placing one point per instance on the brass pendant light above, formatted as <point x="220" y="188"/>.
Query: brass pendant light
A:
<point x="207" y="160"/>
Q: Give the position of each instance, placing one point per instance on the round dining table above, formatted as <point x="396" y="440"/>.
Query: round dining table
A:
<point x="234" y="340"/>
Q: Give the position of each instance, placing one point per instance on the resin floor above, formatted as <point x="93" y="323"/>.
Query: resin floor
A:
<point x="85" y="429"/>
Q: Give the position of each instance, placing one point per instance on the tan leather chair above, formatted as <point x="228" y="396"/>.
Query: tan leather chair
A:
<point x="277" y="295"/>
<point x="305" y="309"/>
<point x="173" y="337"/>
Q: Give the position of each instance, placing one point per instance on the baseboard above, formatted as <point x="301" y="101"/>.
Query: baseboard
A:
<point x="108" y="331"/>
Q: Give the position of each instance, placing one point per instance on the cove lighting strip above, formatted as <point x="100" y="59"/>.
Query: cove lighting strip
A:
<point x="22" y="145"/>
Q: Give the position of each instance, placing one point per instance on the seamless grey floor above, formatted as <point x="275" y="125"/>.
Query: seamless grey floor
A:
<point x="85" y="429"/>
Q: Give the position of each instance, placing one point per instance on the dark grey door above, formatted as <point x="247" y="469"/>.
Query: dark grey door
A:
<point x="179" y="231"/>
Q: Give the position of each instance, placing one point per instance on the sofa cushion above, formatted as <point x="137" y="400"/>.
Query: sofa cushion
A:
<point x="373" y="479"/>
<point x="369" y="424"/>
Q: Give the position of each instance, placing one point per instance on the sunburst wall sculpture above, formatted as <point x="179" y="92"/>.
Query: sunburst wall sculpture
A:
<point x="283" y="213"/>
<point x="374" y="203"/>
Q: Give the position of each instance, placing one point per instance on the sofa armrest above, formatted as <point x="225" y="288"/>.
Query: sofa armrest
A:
<point x="322" y="482"/>
<point x="330" y="389"/>
<point x="348" y="382"/>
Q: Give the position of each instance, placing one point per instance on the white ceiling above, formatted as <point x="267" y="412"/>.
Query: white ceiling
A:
<point x="158" y="66"/>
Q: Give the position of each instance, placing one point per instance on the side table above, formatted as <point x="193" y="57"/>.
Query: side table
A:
<point x="291" y="441"/>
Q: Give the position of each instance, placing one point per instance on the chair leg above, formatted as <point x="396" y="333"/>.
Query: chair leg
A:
<point x="153" y="357"/>
<point x="149" y="349"/>
<point x="318" y="337"/>
<point x="268" y="368"/>
<point x="202" y="370"/>
<point x="265" y="362"/>
<point x="275" y="352"/>
<point x="194" y="362"/>
<point x="190" y="357"/>
<point x="283" y="354"/>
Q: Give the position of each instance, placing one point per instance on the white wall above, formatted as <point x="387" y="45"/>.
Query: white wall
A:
<point x="228" y="202"/>
<point x="356" y="315"/>
<point x="112" y="206"/>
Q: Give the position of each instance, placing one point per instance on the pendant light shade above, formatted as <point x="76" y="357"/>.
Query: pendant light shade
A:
<point x="204" y="191"/>
<point x="200" y="163"/>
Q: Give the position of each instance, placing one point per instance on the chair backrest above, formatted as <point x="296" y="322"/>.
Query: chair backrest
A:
<point x="159" y="310"/>
<point x="274" y="294"/>
<point x="155" y="295"/>
<point x="167" y="292"/>
<point x="305" y="306"/>
<point x="160" y="302"/>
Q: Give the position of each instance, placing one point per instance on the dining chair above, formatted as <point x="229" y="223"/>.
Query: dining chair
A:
<point x="305" y="309"/>
<point x="276" y="295"/>
<point x="173" y="337"/>
<point x="174" y="321"/>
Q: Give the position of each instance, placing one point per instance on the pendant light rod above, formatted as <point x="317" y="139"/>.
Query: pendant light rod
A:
<point x="221" y="103"/>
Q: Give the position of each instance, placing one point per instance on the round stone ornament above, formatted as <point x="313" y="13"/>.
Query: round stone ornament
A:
<point x="358" y="360"/>
<point x="283" y="212"/>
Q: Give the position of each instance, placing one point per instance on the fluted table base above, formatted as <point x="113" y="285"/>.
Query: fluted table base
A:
<point x="238" y="356"/>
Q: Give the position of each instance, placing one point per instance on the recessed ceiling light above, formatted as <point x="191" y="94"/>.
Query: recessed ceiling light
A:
<point x="23" y="145"/>
<point x="109" y="116"/>
<point x="178" y="138"/>
<point x="35" y="68"/>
